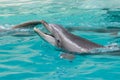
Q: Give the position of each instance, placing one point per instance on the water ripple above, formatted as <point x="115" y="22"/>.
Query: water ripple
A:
<point x="31" y="58"/>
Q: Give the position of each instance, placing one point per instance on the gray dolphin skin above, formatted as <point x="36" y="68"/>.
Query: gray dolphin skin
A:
<point x="63" y="39"/>
<point x="29" y="24"/>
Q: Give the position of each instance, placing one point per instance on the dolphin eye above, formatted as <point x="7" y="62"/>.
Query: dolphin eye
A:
<point x="58" y="41"/>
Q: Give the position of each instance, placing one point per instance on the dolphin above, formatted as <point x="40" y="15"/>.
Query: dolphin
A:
<point x="65" y="40"/>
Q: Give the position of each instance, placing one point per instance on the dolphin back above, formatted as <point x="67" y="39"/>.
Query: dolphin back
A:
<point x="84" y="43"/>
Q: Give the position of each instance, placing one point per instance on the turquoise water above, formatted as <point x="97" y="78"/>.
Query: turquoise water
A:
<point x="31" y="58"/>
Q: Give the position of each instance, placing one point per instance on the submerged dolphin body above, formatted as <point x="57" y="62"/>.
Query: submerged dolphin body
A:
<point x="63" y="39"/>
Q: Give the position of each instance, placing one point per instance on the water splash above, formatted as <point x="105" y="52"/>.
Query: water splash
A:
<point x="108" y="49"/>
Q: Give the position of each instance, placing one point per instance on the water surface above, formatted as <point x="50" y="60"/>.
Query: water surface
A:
<point x="31" y="58"/>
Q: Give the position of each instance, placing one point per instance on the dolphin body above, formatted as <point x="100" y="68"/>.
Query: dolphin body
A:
<point x="68" y="42"/>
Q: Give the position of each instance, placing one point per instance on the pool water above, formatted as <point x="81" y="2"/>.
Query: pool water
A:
<point x="31" y="58"/>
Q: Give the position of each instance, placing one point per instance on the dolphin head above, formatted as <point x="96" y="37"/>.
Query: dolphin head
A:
<point x="54" y="36"/>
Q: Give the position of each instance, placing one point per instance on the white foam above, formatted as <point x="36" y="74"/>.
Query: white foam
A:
<point x="108" y="48"/>
<point x="5" y="27"/>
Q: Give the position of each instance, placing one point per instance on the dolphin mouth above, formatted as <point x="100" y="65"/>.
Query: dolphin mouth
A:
<point x="47" y="28"/>
<point x="46" y="31"/>
<point x="46" y="36"/>
<point x="49" y="34"/>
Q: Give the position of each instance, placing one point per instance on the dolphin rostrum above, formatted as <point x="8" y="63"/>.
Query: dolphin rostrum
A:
<point x="63" y="39"/>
